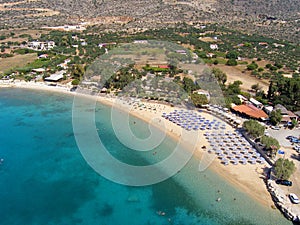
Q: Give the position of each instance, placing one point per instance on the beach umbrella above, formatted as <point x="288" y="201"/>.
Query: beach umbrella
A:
<point x="262" y="160"/>
<point x="235" y="162"/>
<point x="244" y="161"/>
<point x="225" y="162"/>
<point x="218" y="151"/>
<point x="240" y="155"/>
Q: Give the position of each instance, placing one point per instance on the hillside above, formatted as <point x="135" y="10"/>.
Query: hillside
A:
<point x="276" y="18"/>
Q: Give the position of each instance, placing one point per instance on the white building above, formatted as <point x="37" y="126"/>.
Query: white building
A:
<point x="41" y="46"/>
<point x="56" y="76"/>
<point x="214" y="47"/>
<point x="256" y="103"/>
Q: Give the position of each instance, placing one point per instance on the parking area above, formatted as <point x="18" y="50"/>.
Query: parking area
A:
<point x="281" y="135"/>
<point x="289" y="153"/>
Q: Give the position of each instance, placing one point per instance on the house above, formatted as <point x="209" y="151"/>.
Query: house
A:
<point x="250" y="111"/>
<point x="43" y="56"/>
<point x="213" y="46"/>
<point x="287" y="116"/>
<point x="263" y="44"/>
<point x="182" y="52"/>
<point x="210" y="55"/>
<point x="278" y="45"/>
<point x="41" y="46"/>
<point x="72" y="27"/>
<point x="140" y="42"/>
<point x="298" y="115"/>
<point x="163" y="66"/>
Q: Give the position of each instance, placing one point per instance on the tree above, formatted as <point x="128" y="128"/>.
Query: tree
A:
<point x="254" y="128"/>
<point x="231" y="62"/>
<point x="285" y="91"/>
<point x="220" y="76"/>
<point x="255" y="87"/>
<point x="199" y="99"/>
<point x="284" y="168"/>
<point x="75" y="82"/>
<point x="232" y="55"/>
<point x="252" y="66"/>
<point x="268" y="66"/>
<point x="189" y="85"/>
<point x="275" y="116"/>
<point x="294" y="123"/>
<point x="271" y="144"/>
<point x="260" y="69"/>
<point x="234" y="88"/>
<point x="77" y="71"/>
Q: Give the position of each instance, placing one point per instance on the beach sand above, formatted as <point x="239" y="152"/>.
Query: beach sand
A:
<point x="247" y="178"/>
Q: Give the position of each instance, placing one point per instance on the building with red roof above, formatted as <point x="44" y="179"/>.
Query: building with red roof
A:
<point x="251" y="111"/>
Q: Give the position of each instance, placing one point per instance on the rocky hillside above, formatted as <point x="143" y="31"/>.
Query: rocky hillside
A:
<point x="279" y="18"/>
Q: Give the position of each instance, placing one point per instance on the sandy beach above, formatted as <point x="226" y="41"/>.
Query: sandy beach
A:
<point x="247" y="178"/>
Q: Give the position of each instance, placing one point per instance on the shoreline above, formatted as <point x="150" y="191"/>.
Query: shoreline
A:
<point x="246" y="178"/>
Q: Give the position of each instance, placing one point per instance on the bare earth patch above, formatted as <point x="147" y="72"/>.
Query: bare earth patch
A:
<point x="235" y="73"/>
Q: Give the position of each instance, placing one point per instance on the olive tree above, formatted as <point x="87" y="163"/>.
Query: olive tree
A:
<point x="284" y="168"/>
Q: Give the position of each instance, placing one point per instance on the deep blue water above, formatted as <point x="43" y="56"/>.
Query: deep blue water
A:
<point x="45" y="180"/>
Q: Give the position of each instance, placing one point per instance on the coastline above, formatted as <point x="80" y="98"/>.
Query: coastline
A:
<point x="246" y="178"/>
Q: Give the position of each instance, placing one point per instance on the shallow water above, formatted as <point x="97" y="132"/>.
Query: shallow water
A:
<point x="45" y="180"/>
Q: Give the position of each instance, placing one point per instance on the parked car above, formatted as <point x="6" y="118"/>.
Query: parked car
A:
<point x="294" y="198"/>
<point x="275" y="127"/>
<point x="290" y="137"/>
<point x="297" y="147"/>
<point x="295" y="141"/>
<point x="284" y="182"/>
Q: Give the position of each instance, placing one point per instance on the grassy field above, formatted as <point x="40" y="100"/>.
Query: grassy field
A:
<point x="16" y="61"/>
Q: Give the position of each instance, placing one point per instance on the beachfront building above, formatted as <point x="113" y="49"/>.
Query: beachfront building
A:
<point x="256" y="103"/>
<point x="56" y="76"/>
<point x="287" y="116"/>
<point x="250" y="111"/>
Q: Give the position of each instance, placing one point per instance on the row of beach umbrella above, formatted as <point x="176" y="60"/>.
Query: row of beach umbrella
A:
<point x="191" y="120"/>
<point x="232" y="147"/>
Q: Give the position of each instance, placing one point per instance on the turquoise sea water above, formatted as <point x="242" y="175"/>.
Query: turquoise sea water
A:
<point x="45" y="180"/>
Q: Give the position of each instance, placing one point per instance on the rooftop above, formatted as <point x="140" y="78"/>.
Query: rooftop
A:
<point x="251" y="111"/>
<point x="56" y="76"/>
